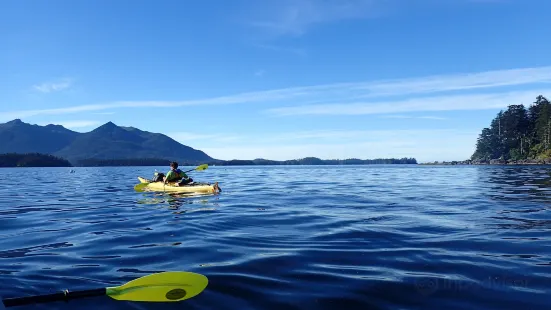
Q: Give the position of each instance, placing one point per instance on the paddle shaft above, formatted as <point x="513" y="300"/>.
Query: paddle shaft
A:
<point x="61" y="296"/>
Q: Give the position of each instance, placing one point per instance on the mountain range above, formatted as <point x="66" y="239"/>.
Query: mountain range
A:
<point x="106" y="142"/>
<point x="112" y="145"/>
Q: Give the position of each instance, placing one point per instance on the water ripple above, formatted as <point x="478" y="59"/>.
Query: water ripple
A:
<point x="301" y="237"/>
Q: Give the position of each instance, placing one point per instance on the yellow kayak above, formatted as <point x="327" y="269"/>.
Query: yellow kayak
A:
<point x="194" y="187"/>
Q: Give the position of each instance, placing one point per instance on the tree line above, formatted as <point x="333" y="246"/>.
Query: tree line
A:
<point x="517" y="133"/>
<point x="32" y="160"/>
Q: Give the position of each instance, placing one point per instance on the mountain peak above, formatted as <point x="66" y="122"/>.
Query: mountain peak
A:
<point x="109" y="126"/>
<point x="17" y="136"/>
<point x="15" y="122"/>
<point x="107" y="141"/>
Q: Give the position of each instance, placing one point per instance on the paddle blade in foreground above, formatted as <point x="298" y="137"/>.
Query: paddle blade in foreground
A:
<point x="161" y="287"/>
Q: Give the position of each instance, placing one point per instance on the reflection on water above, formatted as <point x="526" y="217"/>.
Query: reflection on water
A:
<point x="300" y="237"/>
<point x="517" y="183"/>
<point x="182" y="202"/>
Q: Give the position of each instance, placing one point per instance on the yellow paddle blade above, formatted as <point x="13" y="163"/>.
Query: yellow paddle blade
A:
<point x="202" y="167"/>
<point x="161" y="287"/>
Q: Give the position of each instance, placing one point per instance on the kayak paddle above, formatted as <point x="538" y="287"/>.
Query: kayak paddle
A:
<point x="141" y="186"/>
<point x="199" y="168"/>
<point x="170" y="286"/>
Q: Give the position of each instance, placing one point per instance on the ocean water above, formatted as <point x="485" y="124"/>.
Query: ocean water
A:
<point x="292" y="237"/>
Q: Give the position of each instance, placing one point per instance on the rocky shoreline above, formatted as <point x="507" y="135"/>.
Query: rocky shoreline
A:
<point x="546" y="161"/>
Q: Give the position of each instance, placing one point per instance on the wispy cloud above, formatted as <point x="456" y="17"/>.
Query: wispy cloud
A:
<point x="295" y="17"/>
<point x="355" y="135"/>
<point x="438" y="118"/>
<point x="278" y="18"/>
<point x="440" y="103"/>
<point x="49" y="87"/>
<point x="399" y="116"/>
<point x="467" y="81"/>
<point x="424" y="144"/>
<point x="185" y="137"/>
<point x="325" y="136"/>
<point x="354" y="98"/>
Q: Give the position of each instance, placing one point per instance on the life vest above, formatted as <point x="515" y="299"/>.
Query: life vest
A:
<point x="176" y="174"/>
<point x="179" y="172"/>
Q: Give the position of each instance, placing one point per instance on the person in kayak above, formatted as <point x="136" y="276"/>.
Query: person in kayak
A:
<point x="177" y="175"/>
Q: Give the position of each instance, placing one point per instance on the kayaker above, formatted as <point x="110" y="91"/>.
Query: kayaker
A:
<point x="175" y="174"/>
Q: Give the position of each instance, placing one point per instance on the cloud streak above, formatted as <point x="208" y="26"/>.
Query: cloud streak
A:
<point x="49" y="87"/>
<point x="398" y="116"/>
<point x="296" y="17"/>
<point x="469" y="81"/>
<point x="352" y="98"/>
<point x="440" y="103"/>
<point x="185" y="137"/>
<point x="279" y="18"/>
<point x="423" y="144"/>
<point x="317" y="136"/>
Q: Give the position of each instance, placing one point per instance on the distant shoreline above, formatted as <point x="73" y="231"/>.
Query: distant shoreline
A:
<point x="494" y="162"/>
<point x="13" y="160"/>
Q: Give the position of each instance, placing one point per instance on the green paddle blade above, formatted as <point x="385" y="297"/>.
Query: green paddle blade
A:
<point x="202" y="167"/>
<point x="140" y="187"/>
<point x="161" y="287"/>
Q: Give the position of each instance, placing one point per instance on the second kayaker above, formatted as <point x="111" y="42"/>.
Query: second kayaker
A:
<point x="176" y="175"/>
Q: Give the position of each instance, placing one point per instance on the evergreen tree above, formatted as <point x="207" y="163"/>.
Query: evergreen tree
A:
<point x="517" y="133"/>
<point x="542" y="124"/>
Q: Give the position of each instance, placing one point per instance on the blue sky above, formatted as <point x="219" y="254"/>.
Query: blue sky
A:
<point x="278" y="79"/>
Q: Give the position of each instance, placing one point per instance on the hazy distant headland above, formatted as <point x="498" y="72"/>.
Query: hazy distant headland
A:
<point x="112" y="145"/>
<point x="318" y="161"/>
<point x="517" y="136"/>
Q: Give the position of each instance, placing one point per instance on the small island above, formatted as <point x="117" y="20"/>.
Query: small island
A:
<point x="517" y="136"/>
<point x="317" y="161"/>
<point x="32" y="160"/>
